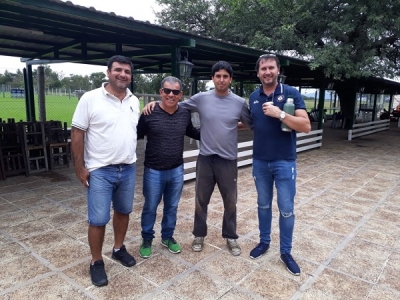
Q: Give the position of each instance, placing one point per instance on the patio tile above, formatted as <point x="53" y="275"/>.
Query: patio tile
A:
<point x="12" y="251"/>
<point x="159" y="269"/>
<point x="47" y="210"/>
<point x="76" y="230"/>
<point x="46" y="240"/>
<point x="335" y="224"/>
<point x="6" y="208"/>
<point x="390" y="277"/>
<point x="53" y="287"/>
<point x="235" y="294"/>
<point x="124" y="285"/>
<point x="382" y="293"/>
<point x="26" y="194"/>
<point x="334" y="285"/>
<point x="319" y="236"/>
<point x="27" y="229"/>
<point x="31" y="202"/>
<point x="198" y="285"/>
<point x="269" y="284"/>
<point x="67" y="194"/>
<point x="67" y="252"/>
<point x="346" y="217"/>
<point x="15" y="218"/>
<point x="63" y="219"/>
<point x="232" y="269"/>
<point x="360" y="266"/>
<point x="312" y="250"/>
<point x="15" y="272"/>
<point x="78" y="203"/>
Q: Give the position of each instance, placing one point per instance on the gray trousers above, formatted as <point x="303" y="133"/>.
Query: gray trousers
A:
<point x="211" y="170"/>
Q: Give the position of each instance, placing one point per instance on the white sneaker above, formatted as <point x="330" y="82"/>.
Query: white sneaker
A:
<point x="233" y="247"/>
<point x="197" y="244"/>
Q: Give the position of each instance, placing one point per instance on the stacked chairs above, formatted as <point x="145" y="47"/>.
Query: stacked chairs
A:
<point x="12" y="160"/>
<point x="33" y="141"/>
<point x="58" y="149"/>
<point x="32" y="147"/>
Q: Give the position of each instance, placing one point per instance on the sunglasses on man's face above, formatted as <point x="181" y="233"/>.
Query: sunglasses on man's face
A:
<point x="168" y="91"/>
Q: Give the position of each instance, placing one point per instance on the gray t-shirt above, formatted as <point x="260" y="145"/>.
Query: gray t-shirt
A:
<point x="219" y="118"/>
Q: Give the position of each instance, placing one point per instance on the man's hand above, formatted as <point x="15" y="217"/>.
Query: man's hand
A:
<point x="149" y="107"/>
<point x="271" y="110"/>
<point x="83" y="176"/>
<point x="241" y="126"/>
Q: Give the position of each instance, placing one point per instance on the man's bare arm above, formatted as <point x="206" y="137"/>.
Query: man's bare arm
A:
<point x="77" y="146"/>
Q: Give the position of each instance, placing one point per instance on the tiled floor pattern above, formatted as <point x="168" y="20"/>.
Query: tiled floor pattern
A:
<point x="347" y="235"/>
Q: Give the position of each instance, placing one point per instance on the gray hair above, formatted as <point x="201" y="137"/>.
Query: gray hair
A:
<point x="171" y="79"/>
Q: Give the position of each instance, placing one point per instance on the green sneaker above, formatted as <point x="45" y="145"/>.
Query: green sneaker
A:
<point x="172" y="245"/>
<point x="145" y="249"/>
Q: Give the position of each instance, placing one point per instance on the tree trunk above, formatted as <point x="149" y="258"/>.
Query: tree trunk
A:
<point x="347" y="95"/>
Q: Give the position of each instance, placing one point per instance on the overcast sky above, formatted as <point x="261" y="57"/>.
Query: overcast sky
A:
<point x="138" y="9"/>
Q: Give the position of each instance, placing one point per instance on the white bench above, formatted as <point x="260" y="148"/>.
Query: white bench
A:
<point x="305" y="141"/>
<point x="367" y="128"/>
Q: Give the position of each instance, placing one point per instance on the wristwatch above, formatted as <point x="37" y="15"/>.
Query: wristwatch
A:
<point x="282" y="115"/>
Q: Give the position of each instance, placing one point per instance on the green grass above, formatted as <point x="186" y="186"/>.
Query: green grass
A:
<point x="60" y="108"/>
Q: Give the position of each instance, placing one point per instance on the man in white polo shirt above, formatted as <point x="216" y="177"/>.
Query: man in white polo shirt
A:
<point x="103" y="140"/>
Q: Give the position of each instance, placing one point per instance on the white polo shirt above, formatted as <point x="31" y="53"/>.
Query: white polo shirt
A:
<point x="110" y="127"/>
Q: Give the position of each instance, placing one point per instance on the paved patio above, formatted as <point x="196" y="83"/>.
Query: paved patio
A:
<point x="347" y="235"/>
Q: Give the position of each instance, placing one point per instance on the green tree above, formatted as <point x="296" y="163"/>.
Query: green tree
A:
<point x="97" y="78"/>
<point x="78" y="82"/>
<point x="154" y="82"/>
<point x="349" y="39"/>
<point x="51" y="78"/>
<point x="18" y="79"/>
<point x="197" y="16"/>
<point x="6" y="78"/>
<point x="345" y="39"/>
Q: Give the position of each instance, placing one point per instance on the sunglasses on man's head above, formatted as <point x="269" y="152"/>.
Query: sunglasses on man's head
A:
<point x="168" y="91"/>
<point x="267" y="55"/>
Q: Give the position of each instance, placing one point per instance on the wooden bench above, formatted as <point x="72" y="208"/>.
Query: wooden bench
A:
<point x="367" y="128"/>
<point x="305" y="141"/>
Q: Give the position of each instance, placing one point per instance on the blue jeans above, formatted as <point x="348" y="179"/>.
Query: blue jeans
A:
<point x="283" y="172"/>
<point x="113" y="183"/>
<point x="157" y="184"/>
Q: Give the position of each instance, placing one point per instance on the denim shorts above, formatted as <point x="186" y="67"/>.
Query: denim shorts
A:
<point x="110" y="184"/>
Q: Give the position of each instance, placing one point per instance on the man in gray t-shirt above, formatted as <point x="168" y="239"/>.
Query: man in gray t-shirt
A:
<point x="220" y="110"/>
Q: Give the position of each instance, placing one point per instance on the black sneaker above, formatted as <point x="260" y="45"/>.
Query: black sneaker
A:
<point x="291" y="265"/>
<point x="124" y="257"/>
<point x="259" y="250"/>
<point x="98" y="274"/>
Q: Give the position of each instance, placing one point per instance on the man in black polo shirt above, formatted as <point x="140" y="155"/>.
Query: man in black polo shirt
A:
<point x="163" y="174"/>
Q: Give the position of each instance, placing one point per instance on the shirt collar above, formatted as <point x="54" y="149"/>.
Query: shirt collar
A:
<point x="278" y="89"/>
<point x="103" y="88"/>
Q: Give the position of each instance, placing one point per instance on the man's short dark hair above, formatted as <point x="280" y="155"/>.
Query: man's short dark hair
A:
<point x="221" y="65"/>
<point x="266" y="57"/>
<point x="171" y="79"/>
<point x="119" y="59"/>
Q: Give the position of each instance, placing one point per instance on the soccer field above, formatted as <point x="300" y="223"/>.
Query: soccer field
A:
<point x="60" y="108"/>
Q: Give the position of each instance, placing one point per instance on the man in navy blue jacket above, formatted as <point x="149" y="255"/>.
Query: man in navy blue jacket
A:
<point x="274" y="155"/>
